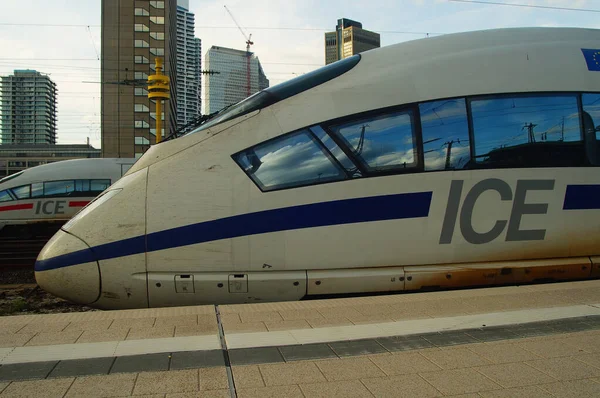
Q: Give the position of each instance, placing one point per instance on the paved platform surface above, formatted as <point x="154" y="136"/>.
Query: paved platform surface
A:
<point x="529" y="341"/>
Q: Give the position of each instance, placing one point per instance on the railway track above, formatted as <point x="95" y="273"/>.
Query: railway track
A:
<point x="21" y="244"/>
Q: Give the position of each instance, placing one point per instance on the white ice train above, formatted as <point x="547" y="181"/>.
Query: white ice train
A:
<point x="44" y="197"/>
<point x="460" y="160"/>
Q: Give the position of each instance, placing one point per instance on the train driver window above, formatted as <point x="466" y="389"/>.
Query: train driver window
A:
<point x="5" y="196"/>
<point x="381" y="142"/>
<point x="591" y="126"/>
<point x="527" y="131"/>
<point x="22" y="192"/>
<point x="445" y="134"/>
<point x="289" y="161"/>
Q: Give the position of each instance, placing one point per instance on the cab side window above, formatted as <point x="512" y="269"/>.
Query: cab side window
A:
<point x="445" y="134"/>
<point x="591" y="126"/>
<point x="289" y="161"/>
<point x="381" y="143"/>
<point x="527" y="131"/>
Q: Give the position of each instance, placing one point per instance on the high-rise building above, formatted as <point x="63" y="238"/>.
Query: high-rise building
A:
<point x="134" y="33"/>
<point x="28" y="108"/>
<point x="231" y="84"/>
<point x="348" y="39"/>
<point x="189" y="63"/>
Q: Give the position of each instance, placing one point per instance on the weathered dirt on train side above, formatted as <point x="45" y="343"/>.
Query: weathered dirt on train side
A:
<point x="33" y="300"/>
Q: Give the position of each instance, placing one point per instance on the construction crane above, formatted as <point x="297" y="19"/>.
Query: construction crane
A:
<point x="249" y="42"/>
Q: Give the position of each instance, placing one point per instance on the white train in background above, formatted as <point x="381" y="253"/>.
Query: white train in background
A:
<point x="461" y="160"/>
<point x="46" y="196"/>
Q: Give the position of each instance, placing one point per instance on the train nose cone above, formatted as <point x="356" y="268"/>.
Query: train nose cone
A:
<point x="67" y="268"/>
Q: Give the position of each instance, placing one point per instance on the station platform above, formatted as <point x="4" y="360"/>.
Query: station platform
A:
<point x="518" y="341"/>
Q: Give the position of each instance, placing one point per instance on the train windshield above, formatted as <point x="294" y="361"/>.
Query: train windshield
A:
<point x="282" y="91"/>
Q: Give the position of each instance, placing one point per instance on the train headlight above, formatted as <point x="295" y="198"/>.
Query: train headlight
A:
<point x="94" y="204"/>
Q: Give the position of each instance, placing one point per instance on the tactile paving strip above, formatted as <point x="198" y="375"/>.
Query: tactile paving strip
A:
<point x="246" y="356"/>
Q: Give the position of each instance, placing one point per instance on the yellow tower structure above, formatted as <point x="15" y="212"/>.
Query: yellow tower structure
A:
<point x="158" y="90"/>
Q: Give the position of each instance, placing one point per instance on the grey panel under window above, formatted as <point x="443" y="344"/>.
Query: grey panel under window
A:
<point x="527" y="131"/>
<point x="591" y="126"/>
<point x="381" y="143"/>
<point x="5" y="196"/>
<point x="290" y="161"/>
<point x="22" y="192"/>
<point x="445" y="131"/>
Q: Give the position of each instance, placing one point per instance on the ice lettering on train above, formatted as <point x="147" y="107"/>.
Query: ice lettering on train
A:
<point x="519" y="208"/>
<point x="50" y="207"/>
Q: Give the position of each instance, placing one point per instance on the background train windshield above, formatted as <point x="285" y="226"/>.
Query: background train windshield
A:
<point x="481" y="132"/>
<point x="282" y="91"/>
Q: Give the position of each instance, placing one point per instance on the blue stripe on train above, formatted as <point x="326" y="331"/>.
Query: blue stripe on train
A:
<point x="338" y="212"/>
<point x="582" y="197"/>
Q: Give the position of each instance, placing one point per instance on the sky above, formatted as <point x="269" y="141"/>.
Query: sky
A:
<point x="62" y="37"/>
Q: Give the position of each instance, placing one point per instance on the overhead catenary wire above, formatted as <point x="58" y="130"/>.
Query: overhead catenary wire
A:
<point x="495" y="3"/>
<point x="299" y="29"/>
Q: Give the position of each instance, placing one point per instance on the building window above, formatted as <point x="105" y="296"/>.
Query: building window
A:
<point x="153" y="115"/>
<point x="139" y="59"/>
<point x="141" y="124"/>
<point x="157" y="4"/>
<point x="140" y="12"/>
<point x="141" y="44"/>
<point x="142" y="141"/>
<point x="138" y="155"/>
<point x="157" y="35"/>
<point x="158" y="20"/>
<point x="141" y="91"/>
<point x="141" y="108"/>
<point x="289" y="161"/>
<point x="445" y="134"/>
<point x="157" y="51"/>
<point x="527" y="131"/>
<point x="139" y="27"/>
<point x="141" y="76"/>
<point x="381" y="143"/>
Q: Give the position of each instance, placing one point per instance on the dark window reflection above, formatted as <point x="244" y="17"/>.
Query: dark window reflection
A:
<point x="293" y="160"/>
<point x="381" y="143"/>
<point x="591" y="125"/>
<point x="445" y="134"/>
<point x="532" y="131"/>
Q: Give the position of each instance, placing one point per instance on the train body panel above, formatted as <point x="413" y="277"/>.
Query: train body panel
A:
<point x="120" y="235"/>
<point x="463" y="160"/>
<point x="55" y="192"/>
